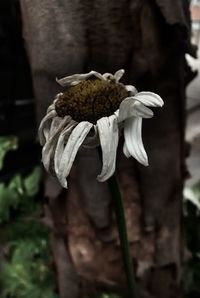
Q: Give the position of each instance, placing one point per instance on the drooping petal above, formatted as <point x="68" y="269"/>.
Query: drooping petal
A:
<point x="57" y="126"/>
<point x="133" y="139"/>
<point x="62" y="140"/>
<point x="131" y="89"/>
<point x="73" y="144"/>
<point x="149" y="99"/>
<point x="109" y="138"/>
<point x="54" y="125"/>
<point x="125" y="151"/>
<point x="77" y="78"/>
<point x="44" y="127"/>
<point x="130" y="107"/>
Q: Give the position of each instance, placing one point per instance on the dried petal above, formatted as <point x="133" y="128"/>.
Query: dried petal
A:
<point x="133" y="139"/>
<point x="130" y="107"/>
<point x="149" y="99"/>
<point x="73" y="144"/>
<point x="109" y="138"/>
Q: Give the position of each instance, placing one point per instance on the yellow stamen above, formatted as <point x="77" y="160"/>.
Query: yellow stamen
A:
<point x="91" y="100"/>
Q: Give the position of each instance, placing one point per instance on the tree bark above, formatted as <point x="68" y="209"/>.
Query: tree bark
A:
<point x="149" y="40"/>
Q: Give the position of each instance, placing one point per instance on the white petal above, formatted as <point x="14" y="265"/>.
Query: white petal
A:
<point x="57" y="126"/>
<point x="149" y="99"/>
<point x="44" y="127"/>
<point x="131" y="89"/>
<point x="77" y="78"/>
<point x="108" y="76"/>
<point x="52" y="106"/>
<point x="62" y="140"/>
<point x="133" y="139"/>
<point x="119" y="74"/>
<point x="130" y="107"/>
<point x="109" y="138"/>
<point x="116" y="113"/>
<point x="125" y="150"/>
<point x="74" y="142"/>
<point x="54" y="126"/>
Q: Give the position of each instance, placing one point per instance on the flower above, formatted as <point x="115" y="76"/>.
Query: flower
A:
<point x="92" y="111"/>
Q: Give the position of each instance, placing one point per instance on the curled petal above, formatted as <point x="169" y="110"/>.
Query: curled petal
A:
<point x="109" y="137"/>
<point x="149" y="99"/>
<point x="51" y="108"/>
<point x="77" y="78"/>
<point x="133" y="139"/>
<point x="119" y="74"/>
<point x="131" y="89"/>
<point x="129" y="108"/>
<point x="62" y="140"/>
<point x="108" y="76"/>
<point x="54" y="126"/>
<point x="48" y="150"/>
<point x="73" y="144"/>
<point x="44" y="127"/>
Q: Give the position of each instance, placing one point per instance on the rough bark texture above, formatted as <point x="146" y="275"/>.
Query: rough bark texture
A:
<point x="148" y="39"/>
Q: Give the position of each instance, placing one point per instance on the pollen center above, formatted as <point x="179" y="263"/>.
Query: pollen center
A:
<point x="91" y="100"/>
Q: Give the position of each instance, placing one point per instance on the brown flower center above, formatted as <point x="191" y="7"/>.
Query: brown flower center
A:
<point x="91" y="100"/>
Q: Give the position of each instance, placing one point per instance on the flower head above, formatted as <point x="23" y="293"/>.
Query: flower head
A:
<point x="92" y="111"/>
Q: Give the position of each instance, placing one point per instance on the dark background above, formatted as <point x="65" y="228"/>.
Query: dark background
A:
<point x="17" y="111"/>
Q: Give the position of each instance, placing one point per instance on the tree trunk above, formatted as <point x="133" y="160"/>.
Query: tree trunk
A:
<point x="149" y="40"/>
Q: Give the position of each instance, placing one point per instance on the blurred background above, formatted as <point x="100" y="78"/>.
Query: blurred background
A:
<point x="28" y="266"/>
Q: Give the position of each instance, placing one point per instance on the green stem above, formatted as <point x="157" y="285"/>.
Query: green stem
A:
<point x="121" y="222"/>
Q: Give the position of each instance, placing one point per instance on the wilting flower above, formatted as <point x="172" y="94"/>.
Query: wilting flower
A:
<point x="92" y="111"/>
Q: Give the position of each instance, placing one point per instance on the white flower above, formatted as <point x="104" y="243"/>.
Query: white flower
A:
<point x="92" y="111"/>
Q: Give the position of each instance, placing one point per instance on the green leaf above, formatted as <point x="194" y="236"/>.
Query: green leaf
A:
<point x="16" y="186"/>
<point x="5" y="198"/>
<point x="6" y="144"/>
<point x="27" y="273"/>
<point x="32" y="182"/>
<point x="10" y="197"/>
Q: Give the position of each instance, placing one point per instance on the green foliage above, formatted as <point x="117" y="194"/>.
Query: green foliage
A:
<point x="18" y="194"/>
<point x="27" y="274"/>
<point x="192" y="226"/>
<point x="6" y="144"/>
<point x="24" y="251"/>
<point x="31" y="183"/>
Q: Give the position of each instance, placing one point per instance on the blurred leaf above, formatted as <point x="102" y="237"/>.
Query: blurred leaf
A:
<point x="27" y="273"/>
<point x="6" y="144"/>
<point x="16" y="186"/>
<point x="19" y="194"/>
<point x="10" y="197"/>
<point x="4" y="203"/>
<point x="32" y="182"/>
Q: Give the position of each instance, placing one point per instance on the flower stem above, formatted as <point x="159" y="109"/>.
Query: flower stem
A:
<point x="121" y="222"/>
